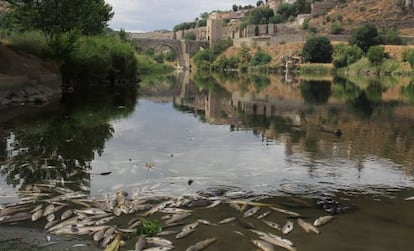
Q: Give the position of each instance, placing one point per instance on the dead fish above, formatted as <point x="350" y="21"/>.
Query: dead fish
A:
<point x="263" y="215"/>
<point x="239" y="233"/>
<point x="227" y="220"/>
<point x="36" y="208"/>
<point x="190" y="226"/>
<point x="50" y="217"/>
<point x="91" y="211"/>
<point x="168" y="232"/>
<point x="159" y="241"/>
<point x="251" y="211"/>
<point x="48" y="209"/>
<point x="183" y="234"/>
<point x="78" y="230"/>
<point x="158" y="249"/>
<point x="272" y="224"/>
<point x="307" y="226"/>
<point x="288" y="227"/>
<point x="140" y="244"/>
<point x="175" y="211"/>
<point x="124" y="209"/>
<point x="215" y="203"/>
<point x="109" y="231"/>
<point x="98" y="236"/>
<point x="284" y="211"/>
<point x="37" y="215"/>
<point x="117" y="211"/>
<point x="104" y="220"/>
<point x="201" y="245"/>
<point x="178" y="217"/>
<point x="263" y="245"/>
<point x="66" y="214"/>
<point x="409" y="198"/>
<point x="206" y="222"/>
<point x="234" y="205"/>
<point x="15" y="217"/>
<point x="69" y="221"/>
<point x="51" y="224"/>
<point x="278" y="241"/>
<point x="107" y="240"/>
<point x="155" y="209"/>
<point x="323" y="220"/>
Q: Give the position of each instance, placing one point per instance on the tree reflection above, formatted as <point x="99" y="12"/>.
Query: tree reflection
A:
<point x="57" y="150"/>
<point x="316" y="92"/>
<point x="362" y="101"/>
<point x="408" y="91"/>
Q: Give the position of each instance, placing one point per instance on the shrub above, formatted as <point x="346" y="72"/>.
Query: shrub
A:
<point x="336" y="28"/>
<point x="261" y="58"/>
<point x="318" y="50"/>
<point x="376" y="54"/>
<point x="408" y="56"/>
<point x="392" y="36"/>
<point x="101" y="58"/>
<point x="346" y="55"/>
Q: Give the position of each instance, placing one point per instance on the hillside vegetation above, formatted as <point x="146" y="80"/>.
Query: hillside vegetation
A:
<point x="353" y="13"/>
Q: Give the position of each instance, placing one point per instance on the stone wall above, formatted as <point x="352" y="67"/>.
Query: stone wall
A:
<point x="265" y="41"/>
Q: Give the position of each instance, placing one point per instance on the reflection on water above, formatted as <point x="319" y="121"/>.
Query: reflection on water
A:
<point x="242" y="134"/>
<point x="56" y="149"/>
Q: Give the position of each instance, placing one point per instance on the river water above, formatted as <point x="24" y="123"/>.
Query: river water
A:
<point x="277" y="139"/>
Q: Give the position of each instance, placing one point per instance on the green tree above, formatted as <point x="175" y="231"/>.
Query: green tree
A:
<point x="259" y="3"/>
<point x="235" y="7"/>
<point x="365" y="36"/>
<point x="408" y="56"/>
<point x="376" y="54"/>
<point x="260" y="16"/>
<point x="392" y="36"/>
<point x="346" y="55"/>
<point x="336" y="28"/>
<point x="318" y="50"/>
<point x="261" y="58"/>
<point x="90" y="17"/>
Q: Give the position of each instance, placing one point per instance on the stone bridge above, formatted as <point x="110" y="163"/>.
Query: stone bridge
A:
<point x="184" y="49"/>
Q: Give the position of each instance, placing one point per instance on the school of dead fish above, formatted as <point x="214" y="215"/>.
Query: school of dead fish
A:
<point x="72" y="213"/>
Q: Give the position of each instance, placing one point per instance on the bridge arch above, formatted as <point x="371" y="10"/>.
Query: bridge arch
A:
<point x="183" y="49"/>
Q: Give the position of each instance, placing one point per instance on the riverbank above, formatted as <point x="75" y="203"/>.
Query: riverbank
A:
<point x="25" y="78"/>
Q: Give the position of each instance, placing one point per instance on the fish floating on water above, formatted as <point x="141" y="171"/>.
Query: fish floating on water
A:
<point x="323" y="220"/>
<point x="201" y="245"/>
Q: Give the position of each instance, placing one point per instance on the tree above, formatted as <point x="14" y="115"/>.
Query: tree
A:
<point x="235" y="7"/>
<point x="376" y="54"/>
<point x="261" y="58"/>
<point x="346" y="55"/>
<point x="408" y="56"/>
<point x="365" y="36"/>
<point x="259" y="3"/>
<point x="90" y="17"/>
<point x="318" y="50"/>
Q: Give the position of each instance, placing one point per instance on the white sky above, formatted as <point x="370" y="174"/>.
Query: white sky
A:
<point x="149" y="15"/>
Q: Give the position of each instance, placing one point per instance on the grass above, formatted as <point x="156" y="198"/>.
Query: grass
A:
<point x="319" y="69"/>
<point x="33" y="42"/>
